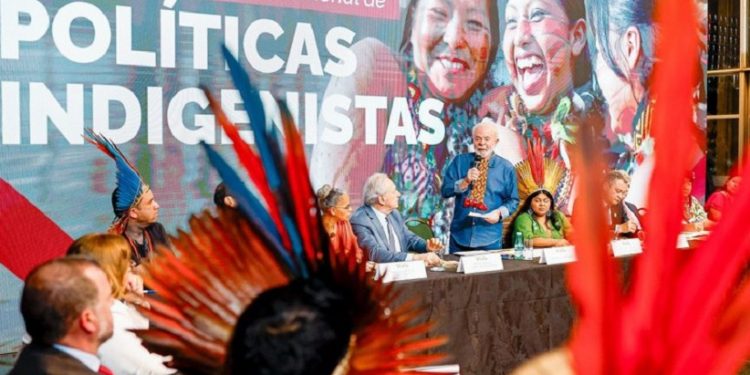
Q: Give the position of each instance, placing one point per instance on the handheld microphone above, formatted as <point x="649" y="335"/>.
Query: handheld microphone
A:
<point x="477" y="159"/>
<point x="474" y="164"/>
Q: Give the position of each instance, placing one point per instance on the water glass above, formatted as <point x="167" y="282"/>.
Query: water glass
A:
<point x="528" y="249"/>
<point x="441" y="254"/>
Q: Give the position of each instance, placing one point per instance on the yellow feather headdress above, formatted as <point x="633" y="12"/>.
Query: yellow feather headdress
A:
<point x="537" y="172"/>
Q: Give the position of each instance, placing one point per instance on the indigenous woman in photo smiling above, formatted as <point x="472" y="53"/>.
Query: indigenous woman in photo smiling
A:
<point x="442" y="67"/>
<point x="544" y="47"/>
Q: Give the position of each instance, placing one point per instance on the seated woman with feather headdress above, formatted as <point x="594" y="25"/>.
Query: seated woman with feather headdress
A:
<point x="540" y="222"/>
<point x="539" y="182"/>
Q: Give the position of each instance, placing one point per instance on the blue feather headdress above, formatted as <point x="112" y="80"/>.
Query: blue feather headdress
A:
<point x="130" y="185"/>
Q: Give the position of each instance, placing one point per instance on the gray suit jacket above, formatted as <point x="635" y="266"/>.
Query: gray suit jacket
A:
<point x="371" y="236"/>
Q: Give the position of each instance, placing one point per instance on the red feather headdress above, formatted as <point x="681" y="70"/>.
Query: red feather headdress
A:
<point x="684" y="312"/>
<point x="225" y="262"/>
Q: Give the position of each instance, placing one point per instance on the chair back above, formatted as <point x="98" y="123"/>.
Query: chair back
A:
<point x="420" y="227"/>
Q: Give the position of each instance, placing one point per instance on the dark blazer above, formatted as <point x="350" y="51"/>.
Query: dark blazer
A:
<point x="619" y="216"/>
<point x="371" y="236"/>
<point x="46" y="360"/>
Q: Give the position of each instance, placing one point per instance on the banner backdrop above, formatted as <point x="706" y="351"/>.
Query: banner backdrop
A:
<point x="375" y="85"/>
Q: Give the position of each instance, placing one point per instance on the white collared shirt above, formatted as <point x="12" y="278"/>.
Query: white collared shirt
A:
<point x="384" y="223"/>
<point x="89" y="360"/>
<point x="124" y="352"/>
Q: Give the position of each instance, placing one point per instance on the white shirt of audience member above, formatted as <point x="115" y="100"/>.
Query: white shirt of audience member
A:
<point x="124" y="353"/>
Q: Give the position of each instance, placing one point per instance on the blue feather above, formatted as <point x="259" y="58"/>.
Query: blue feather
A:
<point x="254" y="108"/>
<point x="287" y="208"/>
<point x="296" y="244"/>
<point x="130" y="186"/>
<point x="253" y="210"/>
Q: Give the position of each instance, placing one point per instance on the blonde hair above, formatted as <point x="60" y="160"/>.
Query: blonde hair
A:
<point x="617" y="174"/>
<point x="111" y="251"/>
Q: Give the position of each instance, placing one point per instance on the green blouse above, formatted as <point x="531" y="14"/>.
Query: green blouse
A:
<point x="531" y="229"/>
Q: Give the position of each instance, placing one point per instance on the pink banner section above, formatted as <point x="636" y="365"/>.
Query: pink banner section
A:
<point x="385" y="9"/>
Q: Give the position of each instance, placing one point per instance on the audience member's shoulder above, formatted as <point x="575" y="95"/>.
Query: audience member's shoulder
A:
<point x="631" y="206"/>
<point x="359" y="215"/>
<point x="396" y="214"/>
<point x="42" y="359"/>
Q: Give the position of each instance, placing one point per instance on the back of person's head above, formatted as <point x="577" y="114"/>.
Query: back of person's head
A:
<point x="297" y="329"/>
<point x="54" y="296"/>
<point x="222" y="198"/>
<point x="328" y="196"/>
<point x="219" y="193"/>
<point x="111" y="251"/>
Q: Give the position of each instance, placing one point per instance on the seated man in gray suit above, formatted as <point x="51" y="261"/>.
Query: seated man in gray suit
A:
<point x="380" y="230"/>
<point x="66" y="305"/>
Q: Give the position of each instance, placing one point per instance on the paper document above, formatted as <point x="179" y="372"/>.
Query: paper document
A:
<point x="476" y="252"/>
<point x="445" y="369"/>
<point x="479" y="214"/>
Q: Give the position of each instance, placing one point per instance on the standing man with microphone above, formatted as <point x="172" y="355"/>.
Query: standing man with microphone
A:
<point x="485" y="188"/>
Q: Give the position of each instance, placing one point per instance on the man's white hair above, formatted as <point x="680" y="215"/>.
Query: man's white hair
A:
<point x="375" y="186"/>
<point x="488" y="123"/>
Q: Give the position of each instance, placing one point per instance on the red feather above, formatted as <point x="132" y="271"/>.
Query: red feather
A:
<point x="536" y="158"/>
<point x="683" y="313"/>
<point x="252" y="164"/>
<point x="303" y="198"/>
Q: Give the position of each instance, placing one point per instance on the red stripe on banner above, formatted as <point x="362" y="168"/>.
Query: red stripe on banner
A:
<point x="386" y="9"/>
<point x="27" y="236"/>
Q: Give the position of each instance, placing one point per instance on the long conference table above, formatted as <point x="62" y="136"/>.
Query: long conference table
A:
<point x="496" y="320"/>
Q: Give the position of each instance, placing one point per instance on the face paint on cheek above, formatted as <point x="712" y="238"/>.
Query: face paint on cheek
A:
<point x="484" y="51"/>
<point x="557" y="56"/>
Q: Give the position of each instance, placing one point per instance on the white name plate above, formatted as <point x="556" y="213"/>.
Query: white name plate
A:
<point x="625" y="247"/>
<point x="400" y="271"/>
<point x="558" y="255"/>
<point x="682" y="241"/>
<point x="480" y="263"/>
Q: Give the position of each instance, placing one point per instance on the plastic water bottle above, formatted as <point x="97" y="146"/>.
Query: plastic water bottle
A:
<point x="518" y="246"/>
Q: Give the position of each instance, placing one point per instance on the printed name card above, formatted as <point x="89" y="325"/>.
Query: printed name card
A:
<point x="558" y="255"/>
<point x="401" y="271"/>
<point x="682" y="241"/>
<point x="480" y="263"/>
<point x="625" y="247"/>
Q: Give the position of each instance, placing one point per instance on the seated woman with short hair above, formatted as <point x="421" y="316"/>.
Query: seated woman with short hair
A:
<point x="335" y="212"/>
<point x="538" y="221"/>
